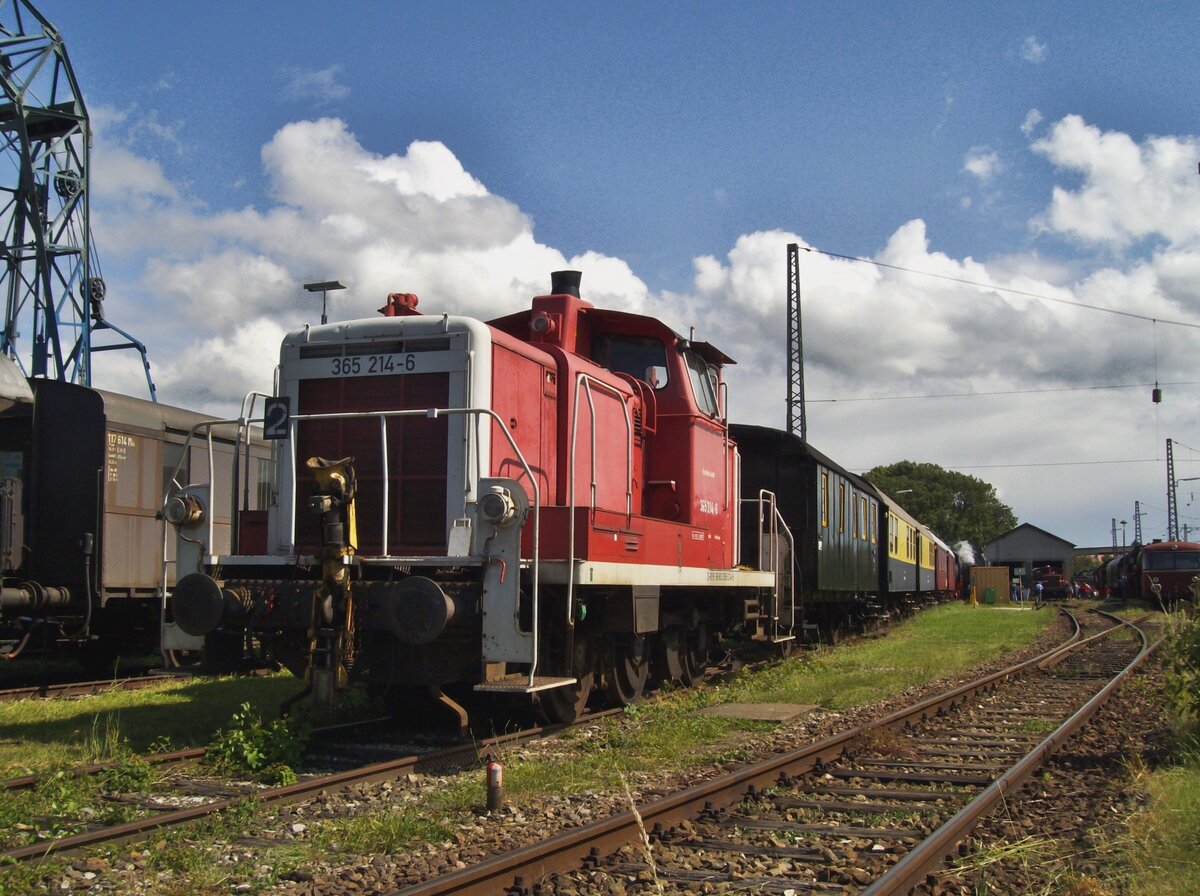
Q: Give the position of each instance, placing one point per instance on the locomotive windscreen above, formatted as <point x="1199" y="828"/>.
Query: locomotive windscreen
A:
<point x="416" y="459"/>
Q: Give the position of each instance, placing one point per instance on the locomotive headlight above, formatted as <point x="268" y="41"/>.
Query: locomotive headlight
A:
<point x="543" y="324"/>
<point x="497" y="506"/>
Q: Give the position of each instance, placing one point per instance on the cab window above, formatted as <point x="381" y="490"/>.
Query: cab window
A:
<point x="1158" y="560"/>
<point x="702" y="383"/>
<point x="642" y="357"/>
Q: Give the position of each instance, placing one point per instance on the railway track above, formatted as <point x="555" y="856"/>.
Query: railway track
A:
<point x="872" y="810"/>
<point x="216" y="797"/>
<point x="858" y="840"/>
<point x="323" y="743"/>
<point x="80" y="688"/>
<point x="85" y="688"/>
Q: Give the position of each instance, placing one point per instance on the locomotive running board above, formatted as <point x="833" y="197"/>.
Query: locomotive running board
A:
<point x="594" y="572"/>
<point x="518" y="683"/>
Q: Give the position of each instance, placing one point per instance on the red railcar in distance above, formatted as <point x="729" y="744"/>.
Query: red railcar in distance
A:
<point x="1166" y="571"/>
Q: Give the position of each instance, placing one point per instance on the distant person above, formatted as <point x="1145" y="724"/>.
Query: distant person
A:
<point x="1015" y="593"/>
<point x="1038" y="592"/>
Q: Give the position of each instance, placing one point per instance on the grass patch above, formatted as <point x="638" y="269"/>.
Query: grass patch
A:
<point x="1031" y="854"/>
<point x="1161" y="848"/>
<point x="40" y="734"/>
<point x="938" y="642"/>
<point x="270" y="751"/>
<point x="1037" y="726"/>
<point x="63" y="803"/>
<point x="1157" y="856"/>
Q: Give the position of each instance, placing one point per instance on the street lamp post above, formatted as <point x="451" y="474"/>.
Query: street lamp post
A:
<point x="1124" y="523"/>
<point x="323" y="287"/>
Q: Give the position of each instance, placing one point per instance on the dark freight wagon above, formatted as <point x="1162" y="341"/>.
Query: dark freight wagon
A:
<point x="83" y="474"/>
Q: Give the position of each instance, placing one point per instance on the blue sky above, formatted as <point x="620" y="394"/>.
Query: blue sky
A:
<point x="671" y="150"/>
<point x="693" y="123"/>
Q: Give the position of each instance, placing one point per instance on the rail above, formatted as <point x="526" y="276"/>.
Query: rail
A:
<point x="927" y="856"/>
<point x="467" y="753"/>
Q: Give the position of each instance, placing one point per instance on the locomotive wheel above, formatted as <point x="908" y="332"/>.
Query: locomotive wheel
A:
<point x="568" y="703"/>
<point x="685" y="652"/>
<point x="627" y="669"/>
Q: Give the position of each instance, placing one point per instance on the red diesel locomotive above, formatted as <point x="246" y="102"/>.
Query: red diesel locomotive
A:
<point x="542" y="504"/>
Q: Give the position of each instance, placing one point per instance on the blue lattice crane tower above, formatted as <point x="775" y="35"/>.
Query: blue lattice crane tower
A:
<point x="51" y="283"/>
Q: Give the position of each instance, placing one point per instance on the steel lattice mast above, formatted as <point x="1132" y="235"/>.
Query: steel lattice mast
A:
<point x="796" y="423"/>
<point x="1172" y="504"/>
<point x="52" y="288"/>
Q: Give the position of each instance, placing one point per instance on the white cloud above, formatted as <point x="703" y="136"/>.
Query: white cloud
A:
<point x="1033" y="50"/>
<point x="1129" y="191"/>
<point x="983" y="163"/>
<point x="217" y="289"/>
<point x="216" y="372"/>
<point x="320" y="86"/>
<point x="1032" y="119"/>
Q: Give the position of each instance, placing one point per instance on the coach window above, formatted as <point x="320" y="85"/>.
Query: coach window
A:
<point x="1187" y="560"/>
<point x="856" y="520"/>
<point x="865" y="523"/>
<point x="841" y="507"/>
<point x="825" y="500"/>
<point x="702" y="383"/>
<point x="642" y="357"/>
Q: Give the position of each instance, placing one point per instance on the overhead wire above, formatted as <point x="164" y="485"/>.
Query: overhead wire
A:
<point x="1154" y="321"/>
<point x="1001" y="392"/>
<point x="1007" y="289"/>
<point x="1021" y="292"/>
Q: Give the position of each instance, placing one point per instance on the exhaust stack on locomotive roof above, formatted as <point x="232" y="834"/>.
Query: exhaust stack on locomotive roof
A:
<point x="565" y="283"/>
<point x="556" y="318"/>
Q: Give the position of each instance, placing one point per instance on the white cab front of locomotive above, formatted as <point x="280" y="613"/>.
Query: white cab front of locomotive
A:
<point x="464" y="355"/>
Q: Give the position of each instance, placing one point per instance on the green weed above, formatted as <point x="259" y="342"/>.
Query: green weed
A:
<point x="247" y="745"/>
<point x="1183" y="671"/>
